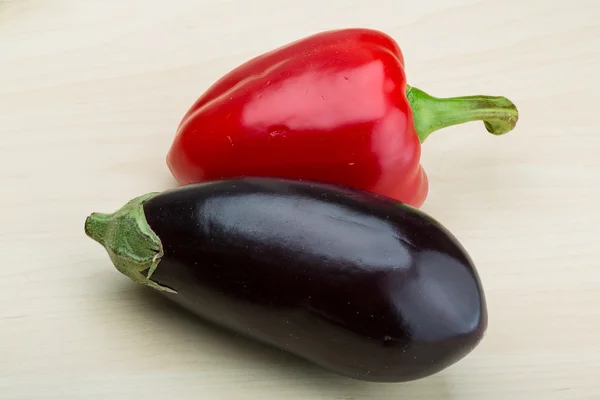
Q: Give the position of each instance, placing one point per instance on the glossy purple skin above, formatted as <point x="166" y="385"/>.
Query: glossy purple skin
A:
<point x="356" y="283"/>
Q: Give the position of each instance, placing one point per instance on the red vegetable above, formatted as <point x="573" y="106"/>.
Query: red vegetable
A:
<point x="333" y="107"/>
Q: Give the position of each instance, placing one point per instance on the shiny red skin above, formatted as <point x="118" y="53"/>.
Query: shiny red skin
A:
<point x="331" y="107"/>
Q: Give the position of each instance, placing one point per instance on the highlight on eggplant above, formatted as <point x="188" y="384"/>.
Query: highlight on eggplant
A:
<point x="351" y="281"/>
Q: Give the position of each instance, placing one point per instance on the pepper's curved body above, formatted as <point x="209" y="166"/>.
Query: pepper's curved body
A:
<point x="332" y="107"/>
<point x="356" y="283"/>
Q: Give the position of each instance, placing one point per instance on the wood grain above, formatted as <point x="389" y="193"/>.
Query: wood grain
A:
<point x="91" y="92"/>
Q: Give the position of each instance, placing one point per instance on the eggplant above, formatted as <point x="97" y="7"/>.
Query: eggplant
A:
<point x="351" y="281"/>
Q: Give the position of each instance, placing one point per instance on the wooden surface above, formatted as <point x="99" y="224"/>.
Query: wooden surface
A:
<point x="90" y="95"/>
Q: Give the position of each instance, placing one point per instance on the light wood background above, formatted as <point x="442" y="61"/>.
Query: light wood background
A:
<point x="90" y="95"/>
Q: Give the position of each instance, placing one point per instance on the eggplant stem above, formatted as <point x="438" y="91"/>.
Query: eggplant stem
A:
<point x="129" y="241"/>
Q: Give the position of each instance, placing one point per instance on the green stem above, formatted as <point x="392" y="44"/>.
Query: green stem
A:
<point x="129" y="241"/>
<point x="96" y="226"/>
<point x="499" y="115"/>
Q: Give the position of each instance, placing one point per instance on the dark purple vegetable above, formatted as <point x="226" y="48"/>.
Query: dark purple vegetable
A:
<point x="354" y="282"/>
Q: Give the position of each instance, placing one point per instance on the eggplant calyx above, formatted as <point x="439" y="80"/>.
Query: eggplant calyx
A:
<point x="129" y="241"/>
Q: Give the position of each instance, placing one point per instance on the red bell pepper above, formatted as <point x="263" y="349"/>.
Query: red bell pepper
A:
<point x="333" y="107"/>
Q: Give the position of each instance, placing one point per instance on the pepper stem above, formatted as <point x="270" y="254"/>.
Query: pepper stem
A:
<point x="129" y="241"/>
<point x="499" y="114"/>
